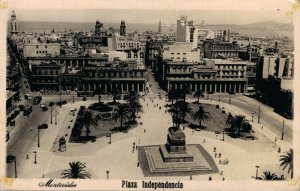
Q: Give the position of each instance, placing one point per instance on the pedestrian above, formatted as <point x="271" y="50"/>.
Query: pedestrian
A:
<point x="31" y="129"/>
<point x="191" y="177"/>
<point x="144" y="130"/>
<point x="132" y="150"/>
<point x="262" y="127"/>
<point x="215" y="149"/>
<point x="209" y="178"/>
<point x="136" y="147"/>
<point x="219" y="155"/>
<point x="221" y="172"/>
<point x="133" y="143"/>
<point x="138" y="164"/>
<point x="157" y="105"/>
<point x="279" y="149"/>
<point x="183" y="127"/>
<point x="216" y="155"/>
<point x="223" y="178"/>
<point x="220" y="162"/>
<point x="203" y="140"/>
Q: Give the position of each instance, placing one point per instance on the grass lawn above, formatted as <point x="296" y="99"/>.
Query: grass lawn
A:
<point x="216" y="123"/>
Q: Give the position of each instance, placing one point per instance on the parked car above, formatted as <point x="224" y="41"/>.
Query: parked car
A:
<point x="42" y="105"/>
<point x="43" y="126"/>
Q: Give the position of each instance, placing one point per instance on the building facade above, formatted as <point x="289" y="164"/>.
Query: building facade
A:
<point x="219" y="49"/>
<point x="41" y="49"/>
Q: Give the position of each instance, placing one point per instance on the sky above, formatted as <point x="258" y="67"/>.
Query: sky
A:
<point x="151" y="16"/>
<point x="151" y="11"/>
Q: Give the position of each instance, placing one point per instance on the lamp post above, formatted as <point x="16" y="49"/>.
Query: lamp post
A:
<point x="35" y="162"/>
<point x="282" y="131"/>
<point x="107" y="174"/>
<point x="257" y="167"/>
<point x="38" y="136"/>
<point x="55" y="115"/>
<point x="223" y="135"/>
<point x="252" y="115"/>
<point x="110" y="137"/>
<point x="10" y="159"/>
<point x="258" y="118"/>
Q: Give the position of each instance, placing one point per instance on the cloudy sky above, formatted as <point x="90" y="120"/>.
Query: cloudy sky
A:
<point x="150" y="11"/>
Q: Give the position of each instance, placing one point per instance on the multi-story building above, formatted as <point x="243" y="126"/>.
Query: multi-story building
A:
<point x="129" y="45"/>
<point x="219" y="49"/>
<point x="214" y="75"/>
<point x="180" y="51"/>
<point x="187" y="31"/>
<point x="13" y="24"/>
<point x="45" y="76"/>
<point x="41" y="49"/>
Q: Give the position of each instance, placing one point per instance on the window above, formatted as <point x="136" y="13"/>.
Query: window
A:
<point x="178" y="53"/>
<point x="172" y="58"/>
<point x="178" y="57"/>
<point x="37" y="52"/>
<point x="172" y="53"/>
<point x="184" y="53"/>
<point x="37" y="46"/>
<point x="45" y="46"/>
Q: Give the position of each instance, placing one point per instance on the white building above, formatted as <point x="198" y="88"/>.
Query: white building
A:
<point x="187" y="31"/>
<point x="41" y="49"/>
<point x="181" y="51"/>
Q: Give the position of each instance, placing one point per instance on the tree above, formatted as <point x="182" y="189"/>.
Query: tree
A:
<point x="88" y="120"/>
<point x="76" y="171"/>
<point x="171" y="95"/>
<point x="198" y="94"/>
<point x="121" y="113"/>
<point x="134" y="105"/>
<point x="184" y="91"/>
<point x="115" y="94"/>
<point x="237" y="121"/>
<point x="183" y="108"/>
<point x="286" y="161"/>
<point x="267" y="175"/>
<point x="201" y="114"/>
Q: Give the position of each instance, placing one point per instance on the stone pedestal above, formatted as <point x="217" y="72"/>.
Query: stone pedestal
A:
<point x="175" y="149"/>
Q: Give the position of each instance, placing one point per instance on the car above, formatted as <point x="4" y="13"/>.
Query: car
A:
<point x="45" y="109"/>
<point x="43" y="126"/>
<point x="42" y="105"/>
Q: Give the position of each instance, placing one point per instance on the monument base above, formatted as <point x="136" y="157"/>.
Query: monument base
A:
<point x="174" y="157"/>
<point x="153" y="164"/>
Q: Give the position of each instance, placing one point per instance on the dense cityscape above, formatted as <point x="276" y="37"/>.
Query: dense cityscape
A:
<point x="192" y="104"/>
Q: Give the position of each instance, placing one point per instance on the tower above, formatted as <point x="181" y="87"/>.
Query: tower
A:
<point x="98" y="27"/>
<point x="123" y="28"/>
<point x="13" y="23"/>
<point x="159" y="27"/>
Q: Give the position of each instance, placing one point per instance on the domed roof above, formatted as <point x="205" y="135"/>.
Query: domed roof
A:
<point x="13" y="14"/>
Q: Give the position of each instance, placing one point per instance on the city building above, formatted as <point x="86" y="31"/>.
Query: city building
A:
<point x="180" y="51"/>
<point x="123" y="28"/>
<point x="129" y="45"/>
<point x="13" y="24"/>
<point x="220" y="49"/>
<point x="187" y="31"/>
<point x="41" y="49"/>
<point x="209" y="75"/>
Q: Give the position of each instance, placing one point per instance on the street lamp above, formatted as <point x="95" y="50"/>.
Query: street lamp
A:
<point x="107" y="174"/>
<point x="73" y="99"/>
<point x="38" y="136"/>
<point x="110" y="137"/>
<point x="257" y="167"/>
<point x="282" y="131"/>
<point x="35" y="157"/>
<point x="258" y="119"/>
<point x="55" y="115"/>
<point x="223" y="135"/>
<point x="252" y="115"/>
<point x="10" y="159"/>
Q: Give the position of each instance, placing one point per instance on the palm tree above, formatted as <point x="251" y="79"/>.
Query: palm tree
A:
<point x="183" y="109"/>
<point x="135" y="108"/>
<point x="88" y="120"/>
<point x="116" y="94"/>
<point x="287" y="161"/>
<point x="121" y="113"/>
<point x="237" y="121"/>
<point x="198" y="94"/>
<point x="134" y="104"/>
<point x="172" y="95"/>
<point x="201" y="114"/>
<point x="184" y="91"/>
<point x="76" y="171"/>
<point x="51" y="105"/>
<point x="131" y="97"/>
<point x="267" y="175"/>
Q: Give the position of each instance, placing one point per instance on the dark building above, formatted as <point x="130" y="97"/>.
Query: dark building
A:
<point x="123" y="28"/>
<point x="45" y="76"/>
<point x="153" y="50"/>
<point x="219" y="49"/>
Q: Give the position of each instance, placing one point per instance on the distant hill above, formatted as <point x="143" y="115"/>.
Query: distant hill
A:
<point x="270" y="25"/>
